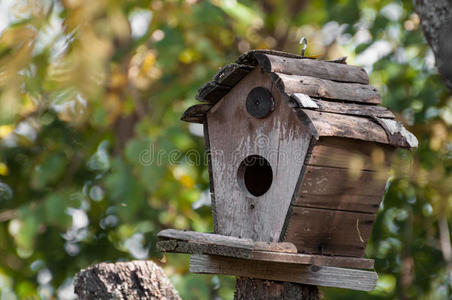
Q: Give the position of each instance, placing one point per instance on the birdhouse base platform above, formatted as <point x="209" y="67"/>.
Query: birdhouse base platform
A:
<point x="219" y="254"/>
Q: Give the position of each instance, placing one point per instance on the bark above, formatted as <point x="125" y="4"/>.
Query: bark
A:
<point x="436" y="21"/>
<point x="249" y="289"/>
<point x="133" y="280"/>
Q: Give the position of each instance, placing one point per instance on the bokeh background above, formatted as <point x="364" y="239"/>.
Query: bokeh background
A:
<point x="94" y="160"/>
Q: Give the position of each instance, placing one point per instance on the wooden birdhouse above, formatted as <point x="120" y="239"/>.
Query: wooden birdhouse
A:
<point x="299" y="151"/>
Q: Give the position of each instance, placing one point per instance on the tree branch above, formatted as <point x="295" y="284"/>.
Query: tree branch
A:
<point x="436" y="21"/>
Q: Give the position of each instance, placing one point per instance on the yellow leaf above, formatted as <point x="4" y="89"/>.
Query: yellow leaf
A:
<point x="187" y="181"/>
<point x="187" y="56"/>
<point x="5" y="130"/>
<point x="148" y="61"/>
<point x="4" y="169"/>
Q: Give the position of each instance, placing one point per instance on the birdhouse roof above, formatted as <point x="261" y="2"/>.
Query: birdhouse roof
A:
<point x="330" y="97"/>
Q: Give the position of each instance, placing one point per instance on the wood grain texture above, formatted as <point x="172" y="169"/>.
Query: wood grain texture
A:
<point x="341" y="153"/>
<point x="212" y="92"/>
<point x="134" y="280"/>
<point x="194" y="247"/>
<point x="208" y="238"/>
<point x="231" y="74"/>
<point x="225" y="241"/>
<point x="346" y="202"/>
<point x="305" y="274"/>
<point x="335" y="181"/>
<point x="235" y="135"/>
<point x="250" y="288"/>
<point x="341" y="174"/>
<point x="249" y="57"/>
<point x="352" y="109"/>
<point x="312" y="259"/>
<point x="211" y="179"/>
<point x="202" y="243"/>
<point x="313" y="68"/>
<point x="196" y="113"/>
<point x="329" y="232"/>
<point x="322" y="88"/>
<point x="360" y="128"/>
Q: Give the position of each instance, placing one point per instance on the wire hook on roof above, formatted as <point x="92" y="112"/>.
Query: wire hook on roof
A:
<point x="304" y="44"/>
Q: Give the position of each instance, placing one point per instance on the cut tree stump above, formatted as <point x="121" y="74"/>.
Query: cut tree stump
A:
<point x="135" y="280"/>
<point x="247" y="288"/>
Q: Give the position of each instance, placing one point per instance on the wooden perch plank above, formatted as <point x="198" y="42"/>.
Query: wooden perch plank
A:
<point x="218" y="240"/>
<point x="208" y="238"/>
<point x="314" y="68"/>
<point x="352" y="109"/>
<point x="174" y="246"/>
<point x="360" y="128"/>
<point x="306" y="274"/>
<point x="196" y="113"/>
<point x="279" y="252"/>
<point x="329" y="232"/>
<point x="311" y="259"/>
<point x="322" y="88"/>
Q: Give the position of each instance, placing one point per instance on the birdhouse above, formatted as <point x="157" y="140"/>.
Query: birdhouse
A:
<point x="299" y="154"/>
<point x="299" y="151"/>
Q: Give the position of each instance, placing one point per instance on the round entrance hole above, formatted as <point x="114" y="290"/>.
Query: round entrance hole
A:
<point x="255" y="175"/>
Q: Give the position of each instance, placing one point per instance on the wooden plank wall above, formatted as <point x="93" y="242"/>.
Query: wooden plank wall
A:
<point x="341" y="190"/>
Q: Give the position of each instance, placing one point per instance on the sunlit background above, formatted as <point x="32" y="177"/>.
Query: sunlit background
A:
<point x="91" y="91"/>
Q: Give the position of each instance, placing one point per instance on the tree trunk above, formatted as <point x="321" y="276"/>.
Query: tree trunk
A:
<point x="436" y="21"/>
<point x="133" y="280"/>
<point x="250" y="289"/>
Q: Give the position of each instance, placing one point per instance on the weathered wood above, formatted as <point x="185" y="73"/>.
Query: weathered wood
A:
<point x="212" y="92"/>
<point x="235" y="135"/>
<point x="217" y="239"/>
<point x="247" y="288"/>
<point x="342" y="153"/>
<point x="196" y="113"/>
<point x="211" y="179"/>
<point x="360" y="128"/>
<point x="346" y="202"/>
<point x="340" y="60"/>
<point x="231" y="74"/>
<point x="191" y="247"/>
<point x="221" y="243"/>
<point x="350" y="108"/>
<point x="133" y="280"/>
<point x="340" y="175"/>
<point x="322" y="88"/>
<point x="249" y="57"/>
<point x="397" y="133"/>
<point x="201" y="243"/>
<point x="313" y="68"/>
<point x="305" y="274"/>
<point x="334" y="182"/>
<point x="329" y="232"/>
<point x="312" y="259"/>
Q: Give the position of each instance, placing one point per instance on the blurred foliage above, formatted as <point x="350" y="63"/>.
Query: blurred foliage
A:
<point x="94" y="160"/>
